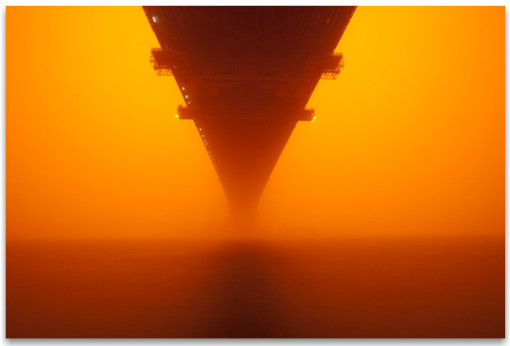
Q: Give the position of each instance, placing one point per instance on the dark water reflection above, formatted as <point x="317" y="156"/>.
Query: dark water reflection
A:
<point x="247" y="295"/>
<point x="257" y="288"/>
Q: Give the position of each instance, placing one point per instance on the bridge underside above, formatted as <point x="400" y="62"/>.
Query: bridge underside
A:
<point x="246" y="75"/>
<point x="244" y="153"/>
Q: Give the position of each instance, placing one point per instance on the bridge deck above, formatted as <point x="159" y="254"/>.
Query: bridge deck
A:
<point x="246" y="75"/>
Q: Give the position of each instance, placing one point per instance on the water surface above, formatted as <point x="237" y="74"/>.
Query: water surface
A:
<point x="300" y="288"/>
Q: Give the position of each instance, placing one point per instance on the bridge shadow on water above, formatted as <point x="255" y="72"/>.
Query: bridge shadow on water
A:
<point x="246" y="297"/>
<point x="254" y="288"/>
<point x="361" y="289"/>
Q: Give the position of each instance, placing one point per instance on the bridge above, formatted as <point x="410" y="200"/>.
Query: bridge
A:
<point x="246" y="75"/>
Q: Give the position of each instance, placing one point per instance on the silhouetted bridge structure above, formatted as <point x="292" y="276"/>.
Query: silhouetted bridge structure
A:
<point x="246" y="75"/>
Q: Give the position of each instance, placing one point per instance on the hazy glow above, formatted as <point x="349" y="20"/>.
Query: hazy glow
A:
<point x="411" y="137"/>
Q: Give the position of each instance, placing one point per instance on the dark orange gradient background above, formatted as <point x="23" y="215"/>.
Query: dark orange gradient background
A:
<point x="408" y="141"/>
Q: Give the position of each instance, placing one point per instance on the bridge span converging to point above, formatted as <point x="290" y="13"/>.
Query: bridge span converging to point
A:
<point x="246" y="75"/>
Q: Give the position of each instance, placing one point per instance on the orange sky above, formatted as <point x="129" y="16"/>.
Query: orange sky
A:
<point x="408" y="140"/>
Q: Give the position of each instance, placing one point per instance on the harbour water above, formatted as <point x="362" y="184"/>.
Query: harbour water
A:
<point x="256" y="288"/>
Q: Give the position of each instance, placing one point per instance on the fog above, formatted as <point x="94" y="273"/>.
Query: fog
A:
<point x="409" y="140"/>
